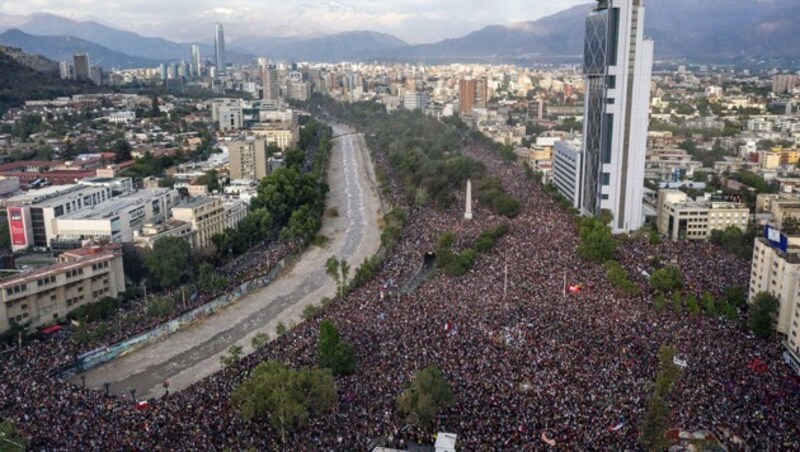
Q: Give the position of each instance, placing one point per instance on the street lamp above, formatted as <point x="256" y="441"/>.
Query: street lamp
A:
<point x="106" y="385"/>
<point x="133" y="395"/>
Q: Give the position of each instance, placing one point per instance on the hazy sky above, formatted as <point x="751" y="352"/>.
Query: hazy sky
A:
<point x="413" y="20"/>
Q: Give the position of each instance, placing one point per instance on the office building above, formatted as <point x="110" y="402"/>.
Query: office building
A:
<point x="82" y="67"/>
<point x="114" y="221"/>
<point x="227" y="113"/>
<point x="776" y="270"/>
<point x="207" y="217"/>
<point x="618" y="69"/>
<point x="568" y="170"/>
<point x="31" y="216"/>
<point x="415" y="100"/>
<point x="48" y="294"/>
<point x="248" y="158"/>
<point x="284" y="135"/>
<point x="680" y="218"/>
<point x="196" y="68"/>
<point x="270" y="83"/>
<point x="472" y="94"/>
<point x="219" y="49"/>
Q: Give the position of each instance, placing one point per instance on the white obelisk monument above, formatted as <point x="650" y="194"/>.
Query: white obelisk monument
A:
<point x="468" y="212"/>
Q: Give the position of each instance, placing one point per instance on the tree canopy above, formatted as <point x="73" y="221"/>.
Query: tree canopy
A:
<point x="285" y="397"/>
<point x="425" y="396"/>
<point x="667" y="279"/>
<point x="596" y="242"/>
<point x="762" y="314"/>
<point x="168" y="262"/>
<point x="332" y="352"/>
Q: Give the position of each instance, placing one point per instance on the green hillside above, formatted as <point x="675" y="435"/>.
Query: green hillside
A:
<point x="19" y="83"/>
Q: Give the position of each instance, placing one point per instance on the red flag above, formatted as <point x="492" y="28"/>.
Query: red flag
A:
<point x="576" y="289"/>
<point x="143" y="405"/>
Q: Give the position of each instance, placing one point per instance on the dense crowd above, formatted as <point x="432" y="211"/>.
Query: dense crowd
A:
<point x="525" y="360"/>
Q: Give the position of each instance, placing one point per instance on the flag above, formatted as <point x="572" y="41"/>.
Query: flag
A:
<point x="548" y="441"/>
<point x="617" y="427"/>
<point x="142" y="405"/>
<point x="447" y="326"/>
<point x="575" y="289"/>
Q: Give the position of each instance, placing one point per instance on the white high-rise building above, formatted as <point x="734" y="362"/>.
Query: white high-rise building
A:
<point x="219" y="49"/>
<point x="618" y="65"/>
<point x="196" y="60"/>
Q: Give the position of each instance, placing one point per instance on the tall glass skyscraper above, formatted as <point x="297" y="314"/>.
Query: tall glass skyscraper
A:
<point x="196" y="60"/>
<point x="618" y="64"/>
<point x="219" y="49"/>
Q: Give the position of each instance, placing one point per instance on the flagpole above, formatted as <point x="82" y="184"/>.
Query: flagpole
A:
<point x="505" y="284"/>
<point x="565" y="285"/>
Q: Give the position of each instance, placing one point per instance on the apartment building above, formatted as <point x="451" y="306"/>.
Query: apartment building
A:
<point x="48" y="294"/>
<point x="206" y="214"/>
<point x="776" y="270"/>
<point x="248" y="158"/>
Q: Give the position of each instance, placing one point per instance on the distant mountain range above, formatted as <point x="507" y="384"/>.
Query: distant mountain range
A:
<point x="63" y="47"/>
<point x="702" y="31"/>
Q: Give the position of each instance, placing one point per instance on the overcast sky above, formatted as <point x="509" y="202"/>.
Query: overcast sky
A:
<point x="413" y="20"/>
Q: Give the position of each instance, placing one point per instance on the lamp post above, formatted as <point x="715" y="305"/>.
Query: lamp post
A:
<point x="133" y="395"/>
<point x="83" y="381"/>
<point x="106" y="385"/>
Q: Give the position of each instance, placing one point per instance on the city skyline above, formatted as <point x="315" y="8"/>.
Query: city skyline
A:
<point x="419" y="21"/>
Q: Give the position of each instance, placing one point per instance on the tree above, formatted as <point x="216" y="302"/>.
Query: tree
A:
<point x="619" y="279"/>
<point x="709" y="305"/>
<point x="122" y="151"/>
<point x="208" y="281"/>
<point x="692" y="304"/>
<point x="677" y="302"/>
<point x="339" y="270"/>
<point x="791" y="225"/>
<point x="286" y="398"/>
<point x="425" y="396"/>
<point x="168" y="262"/>
<point x="232" y="357"/>
<point x="667" y="279"/>
<point x="10" y="438"/>
<point x="763" y="309"/>
<point x="596" y="242"/>
<point x="259" y="341"/>
<point x="332" y="352"/>
<point x="660" y="303"/>
<point x="5" y="237"/>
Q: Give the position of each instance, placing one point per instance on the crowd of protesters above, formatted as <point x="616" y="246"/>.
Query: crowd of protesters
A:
<point x="531" y="365"/>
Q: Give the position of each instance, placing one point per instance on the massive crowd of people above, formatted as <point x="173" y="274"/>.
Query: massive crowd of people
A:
<point x="526" y="362"/>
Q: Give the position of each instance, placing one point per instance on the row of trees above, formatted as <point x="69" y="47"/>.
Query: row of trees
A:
<point x="657" y="417"/>
<point x="424" y="153"/>
<point x="457" y="264"/>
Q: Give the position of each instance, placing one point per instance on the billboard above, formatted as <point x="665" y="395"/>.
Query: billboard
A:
<point x="776" y="238"/>
<point x="16" y="226"/>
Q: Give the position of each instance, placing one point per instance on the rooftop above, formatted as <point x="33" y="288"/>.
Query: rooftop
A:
<point x="195" y="202"/>
<point x="103" y="210"/>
